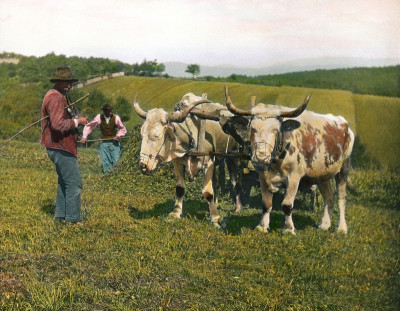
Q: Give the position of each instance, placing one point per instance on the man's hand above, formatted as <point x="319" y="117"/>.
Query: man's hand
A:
<point x="82" y="120"/>
<point x="83" y="140"/>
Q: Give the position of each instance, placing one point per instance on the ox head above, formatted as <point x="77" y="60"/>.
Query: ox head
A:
<point x="263" y="128"/>
<point x="231" y="124"/>
<point x="159" y="141"/>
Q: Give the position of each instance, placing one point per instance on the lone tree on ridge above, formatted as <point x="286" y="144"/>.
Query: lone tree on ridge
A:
<point x="194" y="69"/>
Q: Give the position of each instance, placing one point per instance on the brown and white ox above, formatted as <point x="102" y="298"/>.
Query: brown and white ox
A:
<point x="292" y="147"/>
<point x="170" y="137"/>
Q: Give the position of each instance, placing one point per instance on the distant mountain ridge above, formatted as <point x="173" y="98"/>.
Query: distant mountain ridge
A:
<point x="177" y="69"/>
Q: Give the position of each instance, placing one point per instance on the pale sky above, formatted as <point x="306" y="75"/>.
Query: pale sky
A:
<point x="206" y="32"/>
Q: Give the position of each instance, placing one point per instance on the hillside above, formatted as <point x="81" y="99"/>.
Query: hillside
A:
<point x="362" y="76"/>
<point x="382" y="81"/>
<point x="374" y="119"/>
<point x="23" y="85"/>
<point x="177" y="69"/>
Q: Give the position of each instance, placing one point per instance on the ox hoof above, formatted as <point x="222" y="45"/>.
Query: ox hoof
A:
<point x="239" y="209"/>
<point x="221" y="225"/>
<point x="342" y="230"/>
<point x="262" y="229"/>
<point x="324" y="227"/>
<point x="172" y="216"/>
<point x="289" y="231"/>
<point x="218" y="223"/>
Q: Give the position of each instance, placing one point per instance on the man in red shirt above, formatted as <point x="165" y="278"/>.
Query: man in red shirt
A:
<point x="60" y="139"/>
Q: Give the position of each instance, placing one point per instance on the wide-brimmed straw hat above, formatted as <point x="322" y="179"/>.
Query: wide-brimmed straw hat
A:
<point x="63" y="74"/>
<point x="107" y="107"/>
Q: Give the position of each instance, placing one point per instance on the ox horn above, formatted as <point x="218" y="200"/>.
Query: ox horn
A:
<point x="296" y="112"/>
<point x="139" y="110"/>
<point x="212" y="115"/>
<point x="232" y="108"/>
<point x="180" y="117"/>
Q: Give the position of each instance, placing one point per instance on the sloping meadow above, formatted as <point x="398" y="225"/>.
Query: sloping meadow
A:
<point x="374" y="119"/>
<point x="378" y="127"/>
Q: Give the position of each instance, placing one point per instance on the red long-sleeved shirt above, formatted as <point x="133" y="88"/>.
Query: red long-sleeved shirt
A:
<point x="58" y="131"/>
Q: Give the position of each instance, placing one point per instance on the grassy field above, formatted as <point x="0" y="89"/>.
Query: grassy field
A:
<point x="374" y="119"/>
<point x="378" y="127"/>
<point x="129" y="257"/>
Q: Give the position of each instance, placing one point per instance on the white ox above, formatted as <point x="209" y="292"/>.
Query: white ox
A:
<point x="290" y="146"/>
<point x="170" y="137"/>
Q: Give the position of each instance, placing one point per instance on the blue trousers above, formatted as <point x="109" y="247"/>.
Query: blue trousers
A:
<point x="110" y="151"/>
<point x="68" y="200"/>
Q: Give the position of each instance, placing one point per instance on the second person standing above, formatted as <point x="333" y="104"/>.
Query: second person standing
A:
<point x="112" y="129"/>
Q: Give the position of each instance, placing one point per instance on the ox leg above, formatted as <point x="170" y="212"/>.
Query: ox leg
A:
<point x="209" y="194"/>
<point x="341" y="183"/>
<point x="233" y="165"/>
<point x="180" y="189"/>
<point x="327" y="194"/>
<point x="341" y="187"/>
<point x="266" y="205"/>
<point x="313" y="194"/>
<point x="288" y="201"/>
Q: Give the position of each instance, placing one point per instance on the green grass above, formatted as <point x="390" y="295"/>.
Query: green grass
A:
<point x="374" y="119"/>
<point x="378" y="127"/>
<point x="381" y="81"/>
<point x="165" y="93"/>
<point x="129" y="257"/>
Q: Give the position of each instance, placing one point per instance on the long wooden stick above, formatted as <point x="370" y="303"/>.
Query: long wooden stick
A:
<point x="218" y="154"/>
<point x="36" y="122"/>
<point x="103" y="139"/>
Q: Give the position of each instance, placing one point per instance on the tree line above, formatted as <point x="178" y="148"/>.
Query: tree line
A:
<point x="23" y="84"/>
<point x="25" y="79"/>
<point x="36" y="69"/>
<point x="381" y="81"/>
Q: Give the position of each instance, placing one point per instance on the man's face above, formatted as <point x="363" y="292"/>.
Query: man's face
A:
<point x="63" y="86"/>
<point x="108" y="112"/>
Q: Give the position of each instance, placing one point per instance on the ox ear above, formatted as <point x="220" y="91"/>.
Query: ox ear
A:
<point x="289" y="125"/>
<point x="235" y="126"/>
<point x="170" y="131"/>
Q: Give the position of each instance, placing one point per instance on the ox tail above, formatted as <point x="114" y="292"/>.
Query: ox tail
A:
<point x="343" y="176"/>
<point x="351" y="187"/>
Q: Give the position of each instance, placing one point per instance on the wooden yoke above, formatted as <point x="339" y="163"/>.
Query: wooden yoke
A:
<point x="246" y="163"/>
<point x="193" y="160"/>
<point x="253" y="101"/>
<point x="202" y="131"/>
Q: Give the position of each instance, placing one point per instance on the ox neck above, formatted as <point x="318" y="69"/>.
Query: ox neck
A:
<point x="280" y="148"/>
<point x="186" y="138"/>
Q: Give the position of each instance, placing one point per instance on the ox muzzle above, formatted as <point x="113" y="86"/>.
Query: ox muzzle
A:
<point x="261" y="155"/>
<point x="148" y="164"/>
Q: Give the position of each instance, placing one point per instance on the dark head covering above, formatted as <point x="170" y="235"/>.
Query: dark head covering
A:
<point x="107" y="107"/>
<point x="63" y="74"/>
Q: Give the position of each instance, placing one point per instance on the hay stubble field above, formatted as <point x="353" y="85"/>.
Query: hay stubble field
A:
<point x="129" y="256"/>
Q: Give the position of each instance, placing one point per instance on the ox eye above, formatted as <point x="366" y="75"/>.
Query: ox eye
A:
<point x="154" y="136"/>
